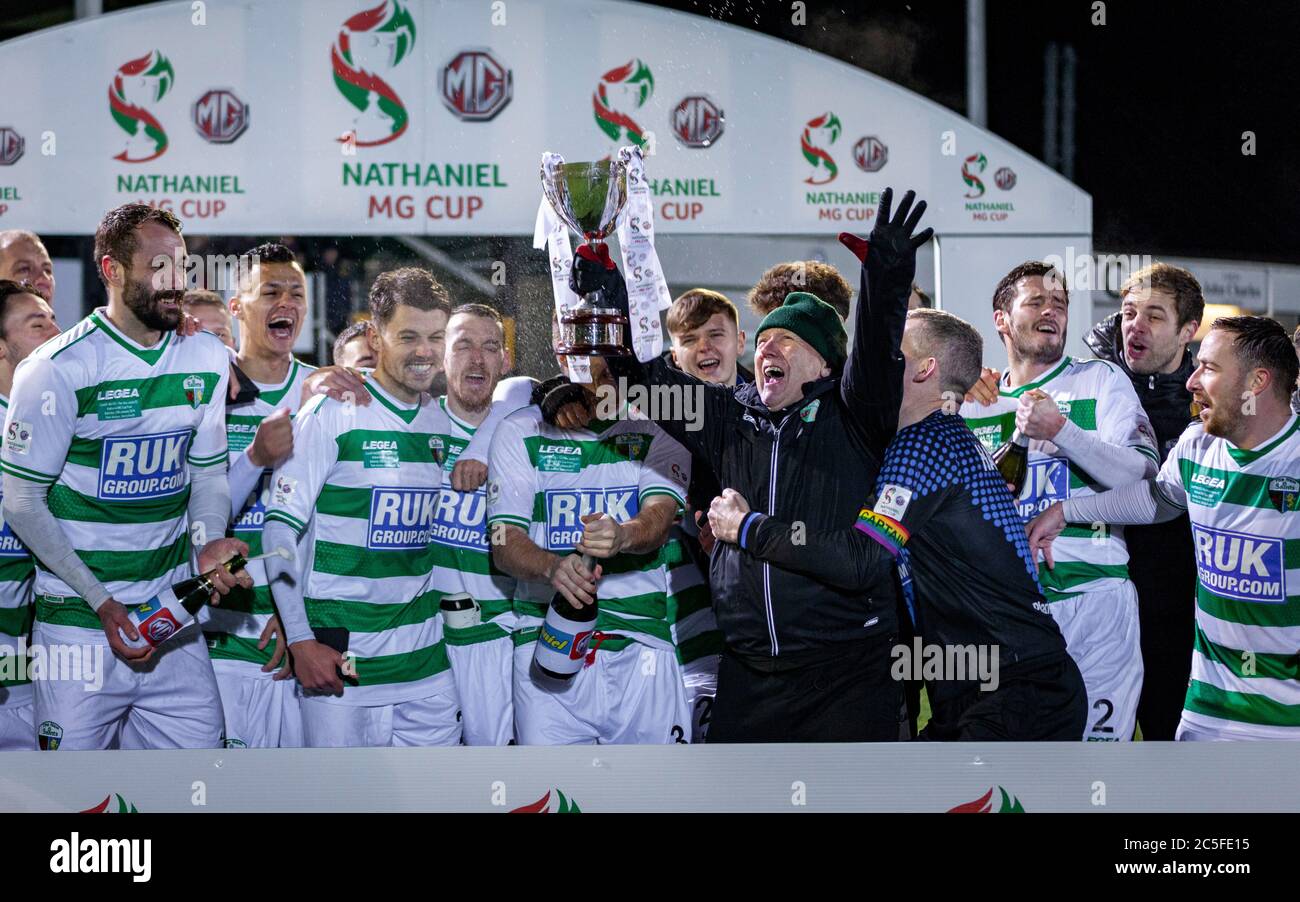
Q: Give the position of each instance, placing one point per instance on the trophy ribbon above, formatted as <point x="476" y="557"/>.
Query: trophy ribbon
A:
<point x="647" y="291"/>
<point x="550" y="233"/>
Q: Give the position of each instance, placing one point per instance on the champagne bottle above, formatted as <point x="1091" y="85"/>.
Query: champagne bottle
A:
<point x="172" y="609"/>
<point x="564" y="636"/>
<point x="1012" y="460"/>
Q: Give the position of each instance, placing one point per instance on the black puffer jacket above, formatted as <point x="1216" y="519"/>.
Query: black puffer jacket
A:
<point x="815" y="463"/>
<point x="1164" y="396"/>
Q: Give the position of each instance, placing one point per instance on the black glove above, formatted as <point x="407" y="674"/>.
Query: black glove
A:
<point x="554" y="394"/>
<point x="594" y="271"/>
<point x="891" y="238"/>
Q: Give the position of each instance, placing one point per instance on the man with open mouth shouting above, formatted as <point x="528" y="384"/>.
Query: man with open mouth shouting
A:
<point x="1086" y="432"/>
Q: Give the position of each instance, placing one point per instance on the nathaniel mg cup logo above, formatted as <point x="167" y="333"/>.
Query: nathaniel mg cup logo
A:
<point x="372" y="41"/>
<point x="622" y="91"/>
<point x="138" y="85"/>
<point x="818" y="134"/>
<point x="475" y="86"/>
<point x="970" y="170"/>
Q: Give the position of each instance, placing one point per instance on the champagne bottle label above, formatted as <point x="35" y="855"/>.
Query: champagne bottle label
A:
<point x="157" y="619"/>
<point x="562" y="643"/>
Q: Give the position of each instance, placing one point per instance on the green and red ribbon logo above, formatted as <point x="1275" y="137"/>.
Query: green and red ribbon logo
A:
<point x="380" y="36"/>
<point x="984" y="804"/>
<point x="544" y="805"/>
<point x="105" y="807"/>
<point x="144" y="80"/>
<point x="827" y="125"/>
<point x="975" y="164"/>
<point x="632" y="81"/>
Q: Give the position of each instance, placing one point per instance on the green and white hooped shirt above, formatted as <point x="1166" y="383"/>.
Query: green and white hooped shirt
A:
<point x="1245" y="513"/>
<point x="114" y="429"/>
<point x="17" y="575"/>
<point x="234" y="628"/>
<point x="543" y="479"/>
<point x="363" y="486"/>
<point x="462" y="561"/>
<point x="1096" y="397"/>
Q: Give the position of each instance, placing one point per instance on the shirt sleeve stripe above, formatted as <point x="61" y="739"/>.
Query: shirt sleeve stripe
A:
<point x="23" y="473"/>
<point x="287" y="519"/>
<point x="681" y="502"/>
<point x="522" y="522"/>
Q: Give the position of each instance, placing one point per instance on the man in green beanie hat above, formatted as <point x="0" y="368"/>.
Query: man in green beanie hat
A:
<point x="804" y="660"/>
<point x="799" y="342"/>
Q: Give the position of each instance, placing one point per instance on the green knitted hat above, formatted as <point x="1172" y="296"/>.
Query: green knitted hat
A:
<point x="813" y="320"/>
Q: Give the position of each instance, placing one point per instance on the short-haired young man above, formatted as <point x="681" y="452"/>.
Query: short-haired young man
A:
<point x="1086" y="432"/>
<point x="707" y="340"/>
<point x="1234" y="471"/>
<point x="1148" y="339"/>
<point x="26" y="322"/>
<point x="357" y="501"/>
<point x="114" y="470"/>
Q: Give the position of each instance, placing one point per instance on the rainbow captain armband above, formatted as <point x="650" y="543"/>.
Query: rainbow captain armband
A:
<point x="885" y="530"/>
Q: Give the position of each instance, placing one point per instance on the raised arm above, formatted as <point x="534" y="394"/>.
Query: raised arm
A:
<point x="872" y="383"/>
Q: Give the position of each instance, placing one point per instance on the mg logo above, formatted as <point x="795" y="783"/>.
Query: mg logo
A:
<point x="474" y="86"/>
<point x="1005" y="178"/>
<point x="219" y="116"/>
<point x="12" y="146"/>
<point x="871" y="154"/>
<point x="697" y="121"/>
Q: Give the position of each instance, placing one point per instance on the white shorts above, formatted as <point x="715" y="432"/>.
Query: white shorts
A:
<point x="483" y="682"/>
<point x="423" y="722"/>
<point x="17" y="731"/>
<point x="170" y="702"/>
<point x="634" y="696"/>
<point x="260" y="712"/>
<point x="1101" y="634"/>
<point x="701" y="680"/>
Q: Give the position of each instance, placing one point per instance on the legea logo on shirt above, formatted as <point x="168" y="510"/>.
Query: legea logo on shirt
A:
<point x="143" y="466"/>
<point x="1047" y="482"/>
<point x="459" y="519"/>
<point x="401" y="519"/>
<point x="566" y="507"/>
<point x="559" y="457"/>
<point x="1241" y="566"/>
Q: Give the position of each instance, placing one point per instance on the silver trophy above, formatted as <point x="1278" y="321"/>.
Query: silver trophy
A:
<point x="588" y="197"/>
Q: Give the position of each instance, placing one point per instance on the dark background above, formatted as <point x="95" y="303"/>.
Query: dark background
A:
<point x="1164" y="91"/>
